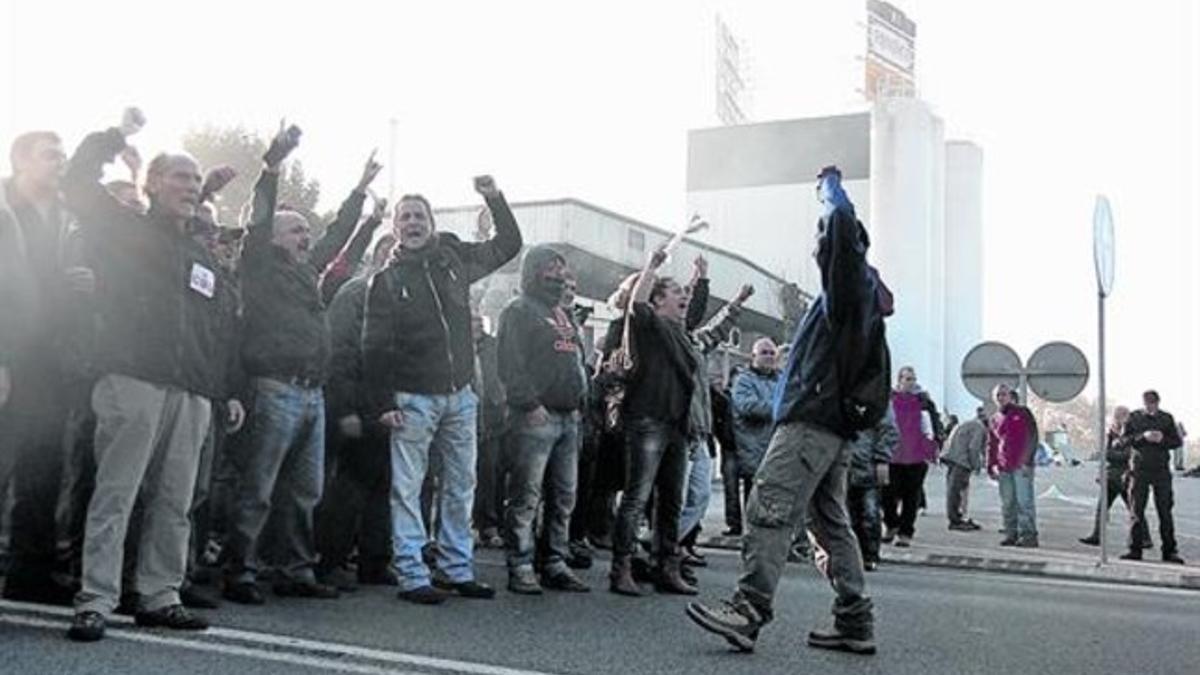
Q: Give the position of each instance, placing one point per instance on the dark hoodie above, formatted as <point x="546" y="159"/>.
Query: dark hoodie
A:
<point x="541" y="353"/>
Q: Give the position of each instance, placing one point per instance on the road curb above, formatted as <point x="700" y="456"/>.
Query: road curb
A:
<point x="1188" y="579"/>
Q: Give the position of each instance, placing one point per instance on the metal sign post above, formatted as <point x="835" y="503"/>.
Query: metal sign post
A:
<point x="1103" y="253"/>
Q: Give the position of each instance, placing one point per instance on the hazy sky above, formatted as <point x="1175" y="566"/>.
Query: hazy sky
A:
<point x="593" y="100"/>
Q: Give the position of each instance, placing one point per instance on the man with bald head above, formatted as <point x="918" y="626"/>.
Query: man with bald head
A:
<point x="159" y="335"/>
<point x="285" y="354"/>
<point x="753" y="422"/>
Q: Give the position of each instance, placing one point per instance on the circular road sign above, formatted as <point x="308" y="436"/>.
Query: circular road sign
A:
<point x="1057" y="372"/>
<point x="989" y="364"/>
<point x="1103" y="245"/>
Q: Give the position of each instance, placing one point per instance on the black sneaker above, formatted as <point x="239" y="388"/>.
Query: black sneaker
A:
<point x="961" y="527"/>
<point x="1090" y="541"/>
<point x="1135" y="554"/>
<point x="194" y="598"/>
<point x="48" y="593"/>
<point x="1027" y="542"/>
<point x="694" y="558"/>
<point x="732" y="532"/>
<point x="1009" y="541"/>
<point x="973" y="525"/>
<point x="380" y="575"/>
<point x="566" y="582"/>
<point x="128" y="604"/>
<point x="737" y="623"/>
<point x="1173" y="558"/>
<point x="340" y="578"/>
<point x="857" y="642"/>
<point x="467" y="589"/>
<point x="423" y="595"/>
<point x="175" y="617"/>
<point x="244" y="593"/>
<point x="870" y="565"/>
<point x="582" y="557"/>
<point x="86" y="627"/>
<point x="305" y="589"/>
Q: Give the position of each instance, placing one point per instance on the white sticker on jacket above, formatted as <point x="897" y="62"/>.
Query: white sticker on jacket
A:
<point x="204" y="281"/>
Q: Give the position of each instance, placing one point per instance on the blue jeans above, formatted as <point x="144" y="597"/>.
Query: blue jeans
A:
<point x="699" y="488"/>
<point x="282" y="474"/>
<point x="1017" y="504"/>
<point x="546" y="455"/>
<point x="442" y="424"/>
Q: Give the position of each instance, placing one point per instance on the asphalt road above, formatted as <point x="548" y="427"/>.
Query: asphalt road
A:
<point x="929" y="621"/>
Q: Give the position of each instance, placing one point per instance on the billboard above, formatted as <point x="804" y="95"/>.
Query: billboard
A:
<point x="891" y="52"/>
<point x="730" y="77"/>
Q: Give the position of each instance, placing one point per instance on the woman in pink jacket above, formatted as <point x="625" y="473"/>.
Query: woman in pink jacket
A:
<point x="910" y="461"/>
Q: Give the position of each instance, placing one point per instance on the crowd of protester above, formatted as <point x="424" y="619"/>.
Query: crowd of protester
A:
<point x="188" y="406"/>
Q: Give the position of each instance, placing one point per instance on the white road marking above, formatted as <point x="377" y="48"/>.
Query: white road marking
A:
<point x="264" y="645"/>
<point x="325" y="664"/>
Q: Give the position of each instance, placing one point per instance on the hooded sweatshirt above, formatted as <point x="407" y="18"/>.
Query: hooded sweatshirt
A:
<point x="541" y="353"/>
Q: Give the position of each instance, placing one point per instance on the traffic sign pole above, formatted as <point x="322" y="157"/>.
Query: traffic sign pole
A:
<point x="1104" y="256"/>
<point x="1102" y="439"/>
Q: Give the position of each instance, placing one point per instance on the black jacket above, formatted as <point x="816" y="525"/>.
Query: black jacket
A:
<point x="159" y="299"/>
<point x="1147" y="456"/>
<point x="541" y="352"/>
<point x="493" y="410"/>
<point x="664" y="372"/>
<point x="417" y="336"/>
<point x="1117" y="455"/>
<point x="285" y="334"/>
<point x="35" y="304"/>
<point x="343" y="392"/>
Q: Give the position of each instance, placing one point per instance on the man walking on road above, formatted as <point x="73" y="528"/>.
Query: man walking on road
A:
<point x="1152" y="433"/>
<point x="834" y="386"/>
<point x="964" y="455"/>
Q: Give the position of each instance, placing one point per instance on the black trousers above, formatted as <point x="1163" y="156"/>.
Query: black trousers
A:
<point x="32" y="426"/>
<point x="735" y="487"/>
<point x="601" y="476"/>
<point x="862" y="504"/>
<point x="657" y="462"/>
<point x="356" y="509"/>
<point x="1140" y="484"/>
<point x="490" y="477"/>
<point x="902" y="497"/>
<point x="1118" y="486"/>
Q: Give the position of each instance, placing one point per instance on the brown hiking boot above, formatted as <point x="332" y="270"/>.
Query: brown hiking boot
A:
<point x="621" y="577"/>
<point x="670" y="580"/>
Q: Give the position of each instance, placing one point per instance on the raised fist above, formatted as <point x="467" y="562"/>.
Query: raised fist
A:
<point x="132" y="121"/>
<point x="282" y="145"/>
<point x="217" y="179"/>
<point x="486" y="186"/>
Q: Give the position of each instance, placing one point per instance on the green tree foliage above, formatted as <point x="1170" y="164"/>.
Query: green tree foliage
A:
<point x="243" y="150"/>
